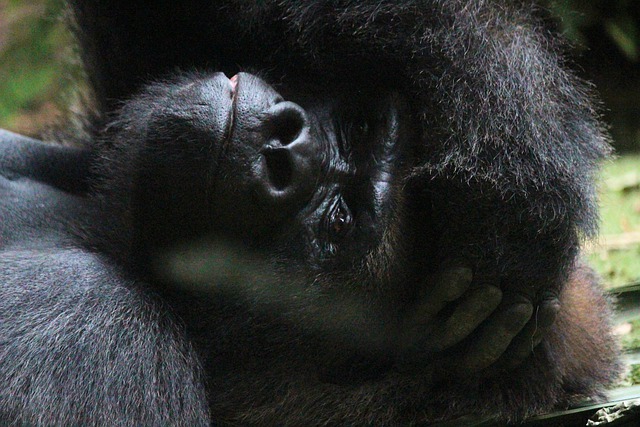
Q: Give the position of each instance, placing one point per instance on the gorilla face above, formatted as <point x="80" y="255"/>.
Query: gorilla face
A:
<point x="316" y="179"/>
<point x="309" y="181"/>
<point x="311" y="169"/>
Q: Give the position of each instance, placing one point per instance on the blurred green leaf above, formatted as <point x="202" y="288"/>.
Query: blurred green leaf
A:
<point x="623" y="32"/>
<point x="33" y="40"/>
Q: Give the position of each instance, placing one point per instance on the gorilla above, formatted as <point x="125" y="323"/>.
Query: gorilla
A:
<point x="376" y="220"/>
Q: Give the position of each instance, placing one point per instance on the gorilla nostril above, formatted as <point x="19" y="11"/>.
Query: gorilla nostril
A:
<point x="287" y="120"/>
<point x="288" y="132"/>
<point x="279" y="167"/>
<point x="287" y="166"/>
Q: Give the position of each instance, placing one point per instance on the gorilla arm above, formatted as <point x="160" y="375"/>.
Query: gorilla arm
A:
<point x="510" y="145"/>
<point x="107" y="353"/>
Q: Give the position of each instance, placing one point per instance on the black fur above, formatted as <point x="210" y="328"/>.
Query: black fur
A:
<point x="497" y="154"/>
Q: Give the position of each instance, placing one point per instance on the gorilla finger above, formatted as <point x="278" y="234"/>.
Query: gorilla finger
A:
<point x="494" y="338"/>
<point x="531" y="335"/>
<point x="475" y="308"/>
<point x="450" y="284"/>
<point x="452" y="281"/>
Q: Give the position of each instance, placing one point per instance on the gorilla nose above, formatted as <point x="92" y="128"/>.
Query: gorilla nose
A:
<point x="271" y="163"/>
<point x="289" y="164"/>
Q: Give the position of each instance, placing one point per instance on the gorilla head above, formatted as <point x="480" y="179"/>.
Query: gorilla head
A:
<point x="257" y="165"/>
<point x="310" y="187"/>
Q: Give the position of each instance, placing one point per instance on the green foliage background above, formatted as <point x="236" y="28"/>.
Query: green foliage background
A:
<point x="618" y="19"/>
<point x="34" y="51"/>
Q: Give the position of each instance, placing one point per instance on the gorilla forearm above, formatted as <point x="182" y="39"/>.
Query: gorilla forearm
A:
<point x="102" y="347"/>
<point x="503" y="124"/>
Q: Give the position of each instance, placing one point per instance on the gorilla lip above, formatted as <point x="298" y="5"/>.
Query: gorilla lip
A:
<point x="233" y="81"/>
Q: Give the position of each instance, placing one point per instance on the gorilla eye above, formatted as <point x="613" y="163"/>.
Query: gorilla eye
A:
<point x="340" y="220"/>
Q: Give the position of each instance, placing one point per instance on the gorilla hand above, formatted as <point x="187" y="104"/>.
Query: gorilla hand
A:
<point x="470" y="327"/>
